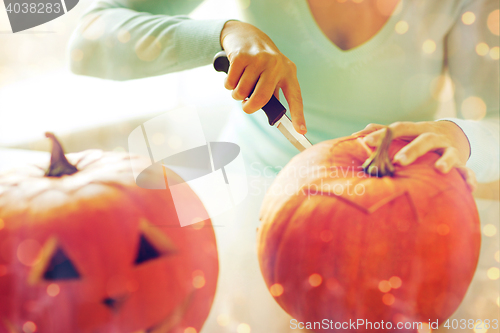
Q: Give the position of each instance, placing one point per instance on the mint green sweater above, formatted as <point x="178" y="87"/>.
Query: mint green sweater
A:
<point x="392" y="77"/>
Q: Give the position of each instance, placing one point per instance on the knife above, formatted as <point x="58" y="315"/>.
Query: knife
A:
<point x="275" y="111"/>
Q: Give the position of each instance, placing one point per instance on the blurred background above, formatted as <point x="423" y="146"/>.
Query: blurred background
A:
<point x="38" y="93"/>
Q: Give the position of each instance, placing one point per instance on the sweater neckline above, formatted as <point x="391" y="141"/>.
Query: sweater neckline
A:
<point x="345" y="57"/>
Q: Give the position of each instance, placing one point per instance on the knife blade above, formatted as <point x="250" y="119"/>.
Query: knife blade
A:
<point x="275" y="111"/>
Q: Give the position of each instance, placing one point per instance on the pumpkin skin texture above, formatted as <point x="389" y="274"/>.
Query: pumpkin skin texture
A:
<point x="93" y="252"/>
<point x="332" y="238"/>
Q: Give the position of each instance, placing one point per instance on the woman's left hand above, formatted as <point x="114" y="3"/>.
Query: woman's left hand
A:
<point x="443" y="137"/>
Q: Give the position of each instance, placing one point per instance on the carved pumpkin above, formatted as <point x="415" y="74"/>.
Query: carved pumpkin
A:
<point x="336" y="243"/>
<point x="84" y="249"/>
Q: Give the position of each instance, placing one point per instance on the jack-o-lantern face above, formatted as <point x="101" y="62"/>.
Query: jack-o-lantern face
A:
<point x="93" y="252"/>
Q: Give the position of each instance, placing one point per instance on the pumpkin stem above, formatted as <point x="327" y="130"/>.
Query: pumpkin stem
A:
<point x="59" y="165"/>
<point x="379" y="164"/>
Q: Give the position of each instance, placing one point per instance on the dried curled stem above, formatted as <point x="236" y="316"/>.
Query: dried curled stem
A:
<point x="379" y="164"/>
<point x="59" y="165"/>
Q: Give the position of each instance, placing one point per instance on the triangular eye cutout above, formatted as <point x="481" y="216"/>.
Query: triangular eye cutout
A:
<point x="60" y="267"/>
<point x="146" y="251"/>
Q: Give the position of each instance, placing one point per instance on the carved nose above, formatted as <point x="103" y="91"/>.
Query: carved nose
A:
<point x="114" y="303"/>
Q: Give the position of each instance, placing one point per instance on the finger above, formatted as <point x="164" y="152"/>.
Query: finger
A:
<point x="266" y="85"/>
<point x="234" y="74"/>
<point x="399" y="130"/>
<point x="448" y="160"/>
<point x="277" y="93"/>
<point x="369" y="129"/>
<point x="469" y="176"/>
<point x="291" y="90"/>
<point x="421" y="145"/>
<point x="246" y="84"/>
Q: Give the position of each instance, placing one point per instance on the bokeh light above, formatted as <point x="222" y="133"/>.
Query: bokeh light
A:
<point x="223" y="320"/>
<point x="425" y="328"/>
<point x="198" y="279"/>
<point x="243" y="328"/>
<point x="77" y="55"/>
<point x="123" y="36"/>
<point x="395" y="282"/>
<point x="315" y="280"/>
<point x="443" y="229"/>
<point x="401" y="27"/>
<point x="276" y="290"/>
<point x="384" y="286"/>
<point x="468" y="18"/>
<point x="493" y="273"/>
<point x="148" y="48"/>
<point x="53" y="289"/>
<point x="197" y="223"/>
<point x="244" y="4"/>
<point x="473" y="108"/>
<point x="489" y="230"/>
<point x="27" y="252"/>
<point x="388" y="299"/>
<point x="190" y="330"/>
<point x="482" y="49"/>
<point x="493" y="22"/>
<point x="326" y="235"/>
<point x="480" y="328"/>
<point x="495" y="53"/>
<point x="385" y="7"/>
<point x="429" y="46"/>
<point x="29" y="327"/>
<point x="158" y="139"/>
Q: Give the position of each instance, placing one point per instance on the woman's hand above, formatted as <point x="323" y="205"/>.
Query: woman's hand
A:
<point x="257" y="62"/>
<point x="443" y="137"/>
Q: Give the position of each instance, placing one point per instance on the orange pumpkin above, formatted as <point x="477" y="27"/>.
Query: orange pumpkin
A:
<point x="84" y="249"/>
<point x="338" y="244"/>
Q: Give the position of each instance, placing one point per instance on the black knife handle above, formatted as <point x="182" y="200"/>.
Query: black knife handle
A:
<point x="274" y="109"/>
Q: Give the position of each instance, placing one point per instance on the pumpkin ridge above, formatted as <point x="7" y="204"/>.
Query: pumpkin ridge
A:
<point x="281" y="249"/>
<point x="266" y="228"/>
<point x="392" y="227"/>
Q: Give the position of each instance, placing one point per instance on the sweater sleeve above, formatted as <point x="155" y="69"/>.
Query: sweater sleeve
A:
<point x="131" y="39"/>
<point x="472" y="55"/>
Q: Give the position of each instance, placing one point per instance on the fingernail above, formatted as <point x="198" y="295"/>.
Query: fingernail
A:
<point x="402" y="158"/>
<point x="368" y="139"/>
<point x="443" y="166"/>
<point x="303" y="128"/>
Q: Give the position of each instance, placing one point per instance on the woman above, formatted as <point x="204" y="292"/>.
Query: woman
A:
<point x="358" y="62"/>
<point x="343" y="50"/>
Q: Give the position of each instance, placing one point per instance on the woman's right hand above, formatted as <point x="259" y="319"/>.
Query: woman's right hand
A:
<point x="257" y="62"/>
